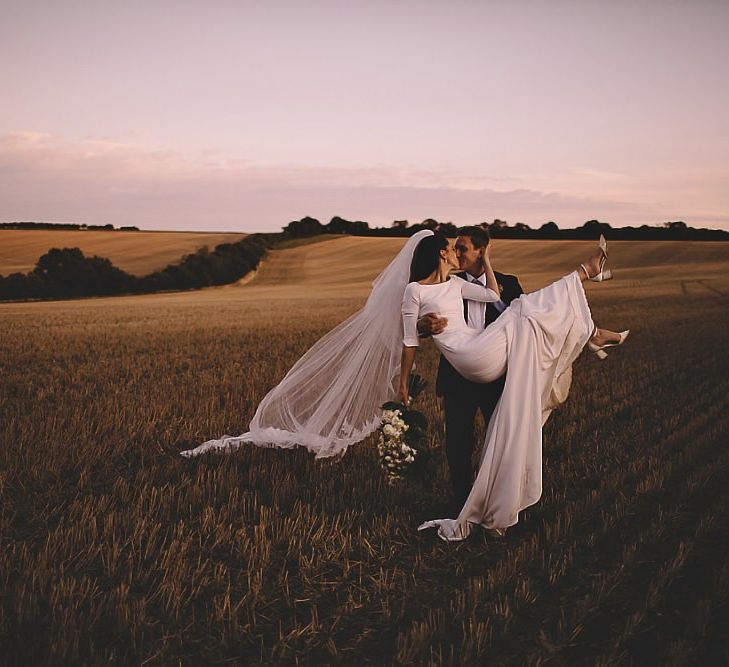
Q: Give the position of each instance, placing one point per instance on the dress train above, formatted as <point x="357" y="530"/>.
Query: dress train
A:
<point x="545" y="331"/>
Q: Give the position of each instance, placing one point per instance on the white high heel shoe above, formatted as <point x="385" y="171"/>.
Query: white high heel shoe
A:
<point x="599" y="350"/>
<point x="604" y="274"/>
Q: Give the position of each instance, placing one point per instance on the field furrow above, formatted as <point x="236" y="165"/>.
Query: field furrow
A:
<point x="115" y="549"/>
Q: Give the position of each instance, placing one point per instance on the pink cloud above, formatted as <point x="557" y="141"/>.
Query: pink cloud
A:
<point x="45" y="177"/>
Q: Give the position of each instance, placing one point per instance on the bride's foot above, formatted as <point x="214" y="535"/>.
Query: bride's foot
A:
<point x="603" y="338"/>
<point x="594" y="268"/>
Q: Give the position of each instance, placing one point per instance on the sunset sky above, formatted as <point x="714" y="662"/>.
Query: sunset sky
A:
<point x="242" y="115"/>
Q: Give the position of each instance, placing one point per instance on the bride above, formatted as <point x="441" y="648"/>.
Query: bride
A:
<point x="534" y="342"/>
<point x="331" y="397"/>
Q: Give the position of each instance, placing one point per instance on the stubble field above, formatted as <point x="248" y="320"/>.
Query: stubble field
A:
<point x="115" y="549"/>
<point x="137" y="253"/>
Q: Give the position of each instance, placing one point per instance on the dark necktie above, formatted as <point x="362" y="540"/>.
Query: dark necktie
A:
<point x="465" y="304"/>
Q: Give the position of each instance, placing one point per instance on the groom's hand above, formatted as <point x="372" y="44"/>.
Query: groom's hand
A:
<point x="431" y="325"/>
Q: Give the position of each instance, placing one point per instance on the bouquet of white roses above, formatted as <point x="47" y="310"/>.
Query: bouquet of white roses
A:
<point x="401" y="433"/>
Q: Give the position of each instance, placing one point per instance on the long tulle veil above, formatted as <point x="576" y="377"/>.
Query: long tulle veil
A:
<point x="331" y="397"/>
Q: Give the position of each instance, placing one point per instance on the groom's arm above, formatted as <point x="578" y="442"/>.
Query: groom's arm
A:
<point x="513" y="288"/>
<point x="509" y="287"/>
<point x="517" y="284"/>
<point x="431" y="325"/>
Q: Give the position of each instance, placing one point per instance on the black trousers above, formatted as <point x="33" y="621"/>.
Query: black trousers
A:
<point x="461" y="403"/>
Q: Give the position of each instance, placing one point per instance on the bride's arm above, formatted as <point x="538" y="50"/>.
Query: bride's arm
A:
<point x="410" y="312"/>
<point x="476" y="292"/>
<point x="406" y="366"/>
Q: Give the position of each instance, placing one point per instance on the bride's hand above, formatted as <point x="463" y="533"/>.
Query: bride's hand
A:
<point x="402" y="397"/>
<point x="486" y="257"/>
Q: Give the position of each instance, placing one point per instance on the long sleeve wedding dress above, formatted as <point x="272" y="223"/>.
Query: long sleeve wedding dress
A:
<point x="331" y="398"/>
<point x="535" y="342"/>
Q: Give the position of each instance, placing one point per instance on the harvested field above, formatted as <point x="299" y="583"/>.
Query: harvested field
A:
<point x="115" y="549"/>
<point x="138" y="253"/>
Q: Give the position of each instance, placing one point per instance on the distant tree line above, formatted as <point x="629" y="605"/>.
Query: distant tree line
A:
<point x="66" y="226"/>
<point x="66" y="273"/>
<point x="308" y="226"/>
<point x="500" y="229"/>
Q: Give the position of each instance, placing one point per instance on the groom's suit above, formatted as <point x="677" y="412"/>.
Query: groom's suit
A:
<point x="463" y="398"/>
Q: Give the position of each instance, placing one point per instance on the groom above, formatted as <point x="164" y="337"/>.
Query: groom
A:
<point x="463" y="398"/>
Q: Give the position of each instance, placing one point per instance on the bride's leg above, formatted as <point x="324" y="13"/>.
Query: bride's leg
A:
<point x="593" y="265"/>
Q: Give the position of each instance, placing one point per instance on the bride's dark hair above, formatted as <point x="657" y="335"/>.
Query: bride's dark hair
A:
<point x="427" y="256"/>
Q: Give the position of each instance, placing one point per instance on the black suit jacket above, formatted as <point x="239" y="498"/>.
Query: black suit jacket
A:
<point x="448" y="380"/>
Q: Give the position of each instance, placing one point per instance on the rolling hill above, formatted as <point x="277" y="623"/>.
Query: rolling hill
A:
<point x="135" y="252"/>
<point x="347" y="265"/>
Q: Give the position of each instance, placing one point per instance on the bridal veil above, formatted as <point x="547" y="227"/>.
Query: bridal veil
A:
<point x="331" y="397"/>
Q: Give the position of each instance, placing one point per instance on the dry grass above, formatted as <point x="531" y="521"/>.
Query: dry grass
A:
<point x="115" y="549"/>
<point x="138" y="253"/>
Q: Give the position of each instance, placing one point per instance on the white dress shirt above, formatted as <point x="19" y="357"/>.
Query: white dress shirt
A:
<point x="477" y="309"/>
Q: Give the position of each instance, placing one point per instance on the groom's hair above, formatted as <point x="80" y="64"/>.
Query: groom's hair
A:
<point x="479" y="236"/>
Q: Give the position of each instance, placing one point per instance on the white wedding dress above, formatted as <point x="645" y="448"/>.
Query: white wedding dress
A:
<point x="534" y="341"/>
<point x="331" y="398"/>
